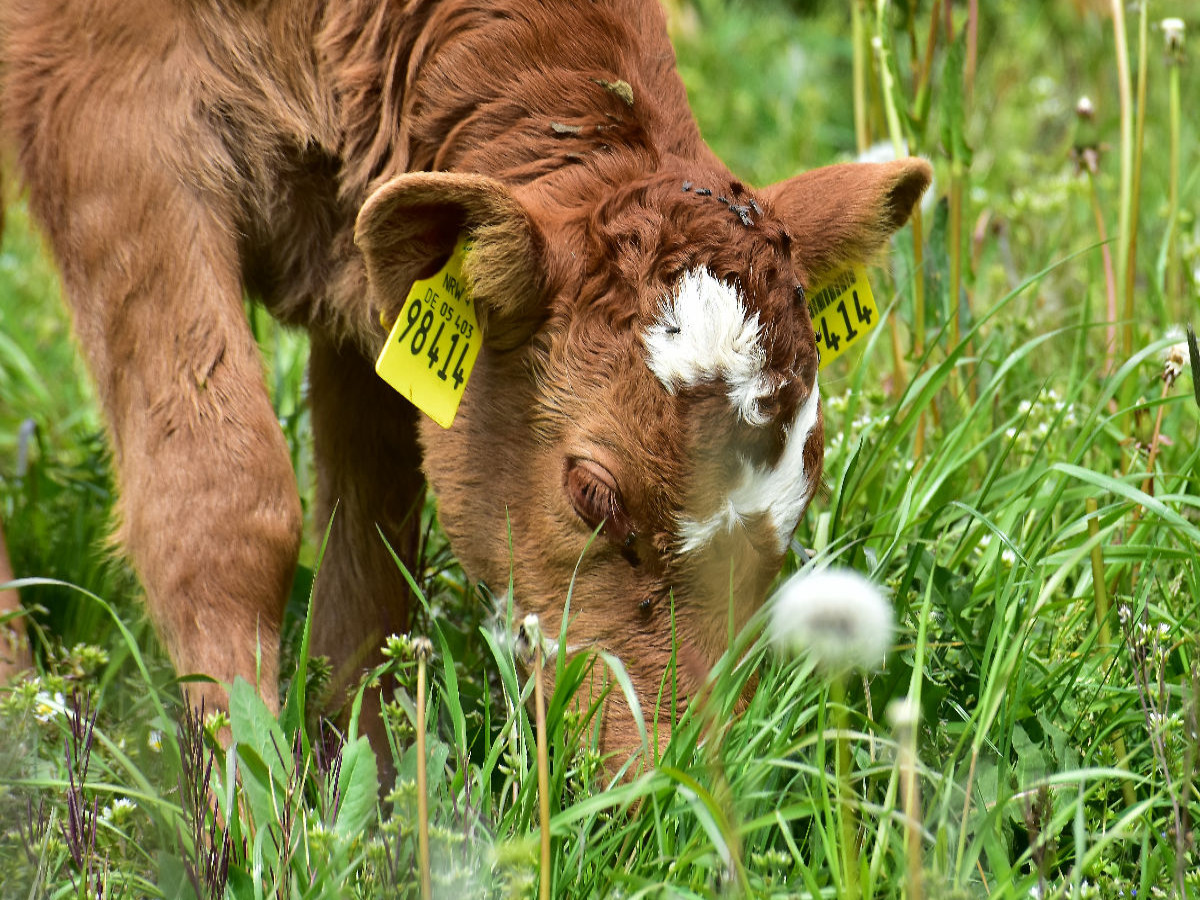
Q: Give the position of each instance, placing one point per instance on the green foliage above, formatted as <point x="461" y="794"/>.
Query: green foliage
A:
<point x="1055" y="745"/>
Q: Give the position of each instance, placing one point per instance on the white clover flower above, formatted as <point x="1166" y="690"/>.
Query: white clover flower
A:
<point x="836" y="615"/>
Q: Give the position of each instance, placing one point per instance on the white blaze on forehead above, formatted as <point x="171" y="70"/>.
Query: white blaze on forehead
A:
<point x="779" y="491"/>
<point x="703" y="333"/>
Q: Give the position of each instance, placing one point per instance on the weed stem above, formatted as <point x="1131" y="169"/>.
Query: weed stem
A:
<point x="1100" y="602"/>
<point x="424" y="650"/>
<point x="543" y="765"/>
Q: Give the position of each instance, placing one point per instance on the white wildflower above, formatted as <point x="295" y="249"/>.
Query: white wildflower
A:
<point x="119" y="812"/>
<point x="154" y="740"/>
<point x="47" y="706"/>
<point x="1175" y="358"/>
<point x="838" y="616"/>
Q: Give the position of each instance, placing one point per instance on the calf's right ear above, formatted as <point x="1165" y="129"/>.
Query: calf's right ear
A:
<point x="409" y="225"/>
<point x="844" y="214"/>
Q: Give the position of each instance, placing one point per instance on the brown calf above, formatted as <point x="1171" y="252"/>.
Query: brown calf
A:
<point x="648" y="361"/>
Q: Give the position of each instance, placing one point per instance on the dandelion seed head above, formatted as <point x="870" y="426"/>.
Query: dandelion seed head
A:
<point x="529" y="636"/>
<point x="837" y="616"/>
<point x="1174" y="31"/>
<point x="903" y="713"/>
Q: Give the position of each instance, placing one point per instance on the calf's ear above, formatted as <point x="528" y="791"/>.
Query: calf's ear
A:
<point x="409" y="225"/>
<point x="844" y="214"/>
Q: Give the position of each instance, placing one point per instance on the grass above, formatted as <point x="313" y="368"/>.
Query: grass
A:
<point x="1031" y="508"/>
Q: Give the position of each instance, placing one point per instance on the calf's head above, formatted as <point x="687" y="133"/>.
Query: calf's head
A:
<point x="643" y="426"/>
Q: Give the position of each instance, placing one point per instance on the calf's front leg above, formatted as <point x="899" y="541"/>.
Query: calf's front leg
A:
<point x="209" y="512"/>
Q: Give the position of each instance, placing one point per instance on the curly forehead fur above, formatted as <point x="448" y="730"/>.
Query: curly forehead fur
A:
<point x="639" y="240"/>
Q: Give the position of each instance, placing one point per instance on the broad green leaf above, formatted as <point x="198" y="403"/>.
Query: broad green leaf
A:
<point x="358" y="786"/>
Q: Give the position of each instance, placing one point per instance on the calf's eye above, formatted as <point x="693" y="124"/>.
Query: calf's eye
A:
<point x="593" y="492"/>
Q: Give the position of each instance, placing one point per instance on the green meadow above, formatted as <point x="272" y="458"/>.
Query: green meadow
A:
<point x="1011" y="456"/>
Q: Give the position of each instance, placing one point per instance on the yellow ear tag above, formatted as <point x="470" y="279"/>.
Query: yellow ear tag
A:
<point x="842" y="311"/>
<point x="434" y="343"/>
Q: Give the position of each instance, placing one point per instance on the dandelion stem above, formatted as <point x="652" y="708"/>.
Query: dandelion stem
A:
<point x="918" y="226"/>
<point x="896" y="134"/>
<point x="1125" y="91"/>
<point x="1100" y="600"/>
<point x="423" y="648"/>
<point x="862" y="134"/>
<point x="1130" y="236"/>
<point x="1110" y="278"/>
<point x="910" y="792"/>
<point x="918" y="235"/>
<point x="955" y="231"/>
<point x="1155" y="440"/>
<point x="1173" y="284"/>
<point x="846" y="816"/>
<point x="1099" y="588"/>
<point x="543" y="764"/>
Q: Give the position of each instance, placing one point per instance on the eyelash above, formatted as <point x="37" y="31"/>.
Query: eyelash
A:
<point x="596" y="501"/>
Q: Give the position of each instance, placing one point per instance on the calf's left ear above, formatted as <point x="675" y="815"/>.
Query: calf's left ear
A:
<point x="409" y="225"/>
<point x="844" y="214"/>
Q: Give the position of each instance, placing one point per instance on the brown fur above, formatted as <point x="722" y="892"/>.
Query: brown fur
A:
<point x="178" y="153"/>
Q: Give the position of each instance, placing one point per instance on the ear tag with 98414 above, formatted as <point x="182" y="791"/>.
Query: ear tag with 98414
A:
<point x="434" y="342"/>
<point x="842" y="311"/>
